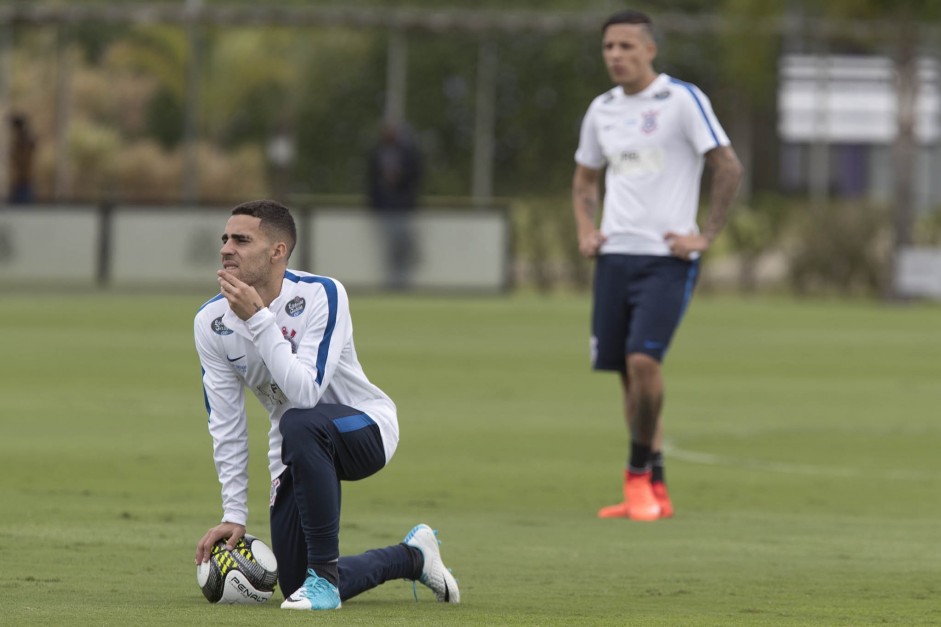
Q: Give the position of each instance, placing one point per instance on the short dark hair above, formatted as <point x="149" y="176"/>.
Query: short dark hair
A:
<point x="629" y="16"/>
<point x="276" y="219"/>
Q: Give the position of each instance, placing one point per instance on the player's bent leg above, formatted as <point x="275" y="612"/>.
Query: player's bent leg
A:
<point x="308" y="452"/>
<point x="287" y="535"/>
<point x="434" y="574"/>
<point x="416" y="558"/>
<point x="365" y="571"/>
<point x="321" y="446"/>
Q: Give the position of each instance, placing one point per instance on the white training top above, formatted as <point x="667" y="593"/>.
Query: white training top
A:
<point x="295" y="353"/>
<point x="653" y="144"/>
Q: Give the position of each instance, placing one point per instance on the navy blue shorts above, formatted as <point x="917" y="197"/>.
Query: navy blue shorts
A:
<point x="638" y="304"/>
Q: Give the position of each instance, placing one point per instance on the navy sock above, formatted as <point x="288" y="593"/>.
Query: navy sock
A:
<point x="639" y="461"/>
<point x="417" y="562"/>
<point x="328" y="571"/>
<point x="656" y="459"/>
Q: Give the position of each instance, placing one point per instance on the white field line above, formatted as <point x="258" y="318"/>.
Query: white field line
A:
<point x="672" y="451"/>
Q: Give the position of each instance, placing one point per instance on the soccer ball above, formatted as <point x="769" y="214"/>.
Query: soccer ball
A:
<point x="246" y="574"/>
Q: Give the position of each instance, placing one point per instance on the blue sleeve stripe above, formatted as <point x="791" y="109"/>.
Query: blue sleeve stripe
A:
<point x="352" y="423"/>
<point x="205" y="395"/>
<point x="690" y="285"/>
<point x="330" y="289"/>
<point x="702" y="110"/>
<point x="209" y="302"/>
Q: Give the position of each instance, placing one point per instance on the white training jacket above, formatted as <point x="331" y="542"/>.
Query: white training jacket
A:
<point x="295" y="353"/>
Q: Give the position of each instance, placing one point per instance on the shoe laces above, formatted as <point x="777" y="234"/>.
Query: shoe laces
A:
<point x="318" y="586"/>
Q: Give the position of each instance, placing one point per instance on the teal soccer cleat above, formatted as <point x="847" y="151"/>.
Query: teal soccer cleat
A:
<point x="316" y="594"/>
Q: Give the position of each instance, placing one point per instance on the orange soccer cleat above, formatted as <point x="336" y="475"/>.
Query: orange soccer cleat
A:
<point x="618" y="510"/>
<point x="663" y="498"/>
<point x="639" y="500"/>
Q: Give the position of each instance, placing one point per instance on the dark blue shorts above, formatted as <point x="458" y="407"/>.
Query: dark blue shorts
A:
<point x="638" y="304"/>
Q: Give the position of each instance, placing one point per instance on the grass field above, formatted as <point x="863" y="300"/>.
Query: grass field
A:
<point x="803" y="460"/>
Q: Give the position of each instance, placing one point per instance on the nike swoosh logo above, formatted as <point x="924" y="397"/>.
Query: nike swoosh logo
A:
<point x="233" y="359"/>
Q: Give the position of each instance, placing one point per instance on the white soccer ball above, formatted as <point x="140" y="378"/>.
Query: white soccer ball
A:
<point x="246" y="574"/>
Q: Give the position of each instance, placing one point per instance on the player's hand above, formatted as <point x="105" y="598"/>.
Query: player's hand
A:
<point x="686" y="247"/>
<point x="243" y="298"/>
<point x="231" y="532"/>
<point x="590" y="243"/>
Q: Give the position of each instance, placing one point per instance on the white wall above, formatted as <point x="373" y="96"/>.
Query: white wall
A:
<point x="169" y="246"/>
<point x="451" y="249"/>
<point x="41" y="244"/>
<point x="454" y="250"/>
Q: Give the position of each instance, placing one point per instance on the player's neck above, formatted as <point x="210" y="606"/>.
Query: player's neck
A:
<point x="642" y="83"/>
<point x="271" y="289"/>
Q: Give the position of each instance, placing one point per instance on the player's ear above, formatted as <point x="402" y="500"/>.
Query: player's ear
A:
<point x="280" y="253"/>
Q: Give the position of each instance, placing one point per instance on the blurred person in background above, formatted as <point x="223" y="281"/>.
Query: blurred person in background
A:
<point x="394" y="176"/>
<point x="287" y="336"/>
<point x="22" y="149"/>
<point x="651" y="134"/>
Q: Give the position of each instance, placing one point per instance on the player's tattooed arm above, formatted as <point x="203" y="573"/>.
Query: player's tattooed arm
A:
<point x="585" y="197"/>
<point x="726" y="176"/>
<point x="587" y="205"/>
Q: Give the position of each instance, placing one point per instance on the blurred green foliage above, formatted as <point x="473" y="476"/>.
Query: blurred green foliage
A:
<point x="120" y="92"/>
<point x="325" y="87"/>
<point x="842" y="248"/>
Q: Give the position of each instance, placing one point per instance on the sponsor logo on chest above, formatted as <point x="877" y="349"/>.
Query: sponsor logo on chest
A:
<point x="219" y="328"/>
<point x="295" y="307"/>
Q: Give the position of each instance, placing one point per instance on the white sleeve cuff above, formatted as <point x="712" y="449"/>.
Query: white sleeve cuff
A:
<point x="238" y="518"/>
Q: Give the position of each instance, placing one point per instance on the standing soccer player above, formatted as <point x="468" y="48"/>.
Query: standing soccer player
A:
<point x="287" y="336"/>
<point x="652" y="133"/>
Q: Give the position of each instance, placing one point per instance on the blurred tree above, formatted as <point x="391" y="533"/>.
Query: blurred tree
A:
<point x="249" y="80"/>
<point x="245" y="79"/>
<point x="161" y="52"/>
<point x="544" y="87"/>
<point x="748" y="63"/>
<point x="899" y="24"/>
<point x="339" y="98"/>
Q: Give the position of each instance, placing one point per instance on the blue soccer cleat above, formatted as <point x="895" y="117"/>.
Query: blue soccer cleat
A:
<point x="316" y="594"/>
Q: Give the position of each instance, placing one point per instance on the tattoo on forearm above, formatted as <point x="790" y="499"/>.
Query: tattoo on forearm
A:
<point x="724" y="187"/>
<point x="716" y="219"/>
<point x="587" y="204"/>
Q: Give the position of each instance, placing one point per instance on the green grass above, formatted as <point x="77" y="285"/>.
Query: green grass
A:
<point x="802" y="458"/>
